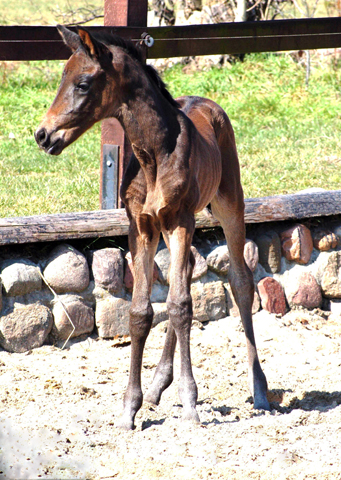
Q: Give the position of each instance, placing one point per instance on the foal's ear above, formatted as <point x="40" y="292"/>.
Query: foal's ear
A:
<point x="70" y="38"/>
<point x="96" y="50"/>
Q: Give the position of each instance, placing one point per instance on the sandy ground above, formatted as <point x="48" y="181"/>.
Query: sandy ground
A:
<point x="58" y="409"/>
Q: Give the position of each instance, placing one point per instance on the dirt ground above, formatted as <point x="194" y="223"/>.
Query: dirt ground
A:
<point x="58" y="409"/>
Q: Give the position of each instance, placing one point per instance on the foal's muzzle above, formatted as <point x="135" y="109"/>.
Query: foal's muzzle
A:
<point x="45" y="142"/>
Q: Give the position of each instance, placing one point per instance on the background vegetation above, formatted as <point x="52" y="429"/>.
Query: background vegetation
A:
<point x="287" y="133"/>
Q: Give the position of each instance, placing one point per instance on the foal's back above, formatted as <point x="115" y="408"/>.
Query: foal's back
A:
<point x="214" y="155"/>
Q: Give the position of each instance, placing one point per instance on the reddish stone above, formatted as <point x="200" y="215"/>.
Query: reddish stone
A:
<point x="297" y="244"/>
<point x="129" y="273"/>
<point x="303" y="291"/>
<point x="272" y="296"/>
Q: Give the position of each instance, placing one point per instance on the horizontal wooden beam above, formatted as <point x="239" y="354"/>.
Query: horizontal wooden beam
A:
<point x="44" y="43"/>
<point x="107" y="223"/>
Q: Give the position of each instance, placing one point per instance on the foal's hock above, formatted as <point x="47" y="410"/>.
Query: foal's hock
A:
<point x="184" y="157"/>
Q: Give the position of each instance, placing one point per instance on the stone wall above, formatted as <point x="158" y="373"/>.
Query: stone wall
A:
<point x="61" y="292"/>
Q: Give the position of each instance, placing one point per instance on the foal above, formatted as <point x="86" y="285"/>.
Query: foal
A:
<point x="184" y="157"/>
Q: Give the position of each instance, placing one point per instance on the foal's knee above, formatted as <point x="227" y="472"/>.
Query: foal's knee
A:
<point x="141" y="319"/>
<point x="180" y="311"/>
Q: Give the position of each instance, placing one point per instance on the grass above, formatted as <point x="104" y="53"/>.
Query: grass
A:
<point x="32" y="182"/>
<point x="36" y="12"/>
<point x="287" y="135"/>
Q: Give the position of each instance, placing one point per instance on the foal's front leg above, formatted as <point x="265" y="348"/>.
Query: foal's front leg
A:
<point x="143" y="246"/>
<point x="164" y="372"/>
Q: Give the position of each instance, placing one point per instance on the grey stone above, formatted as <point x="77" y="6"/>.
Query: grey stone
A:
<point x="333" y="306"/>
<point x="162" y="260"/>
<point x="160" y="313"/>
<point x="337" y="232"/>
<point x="67" y="270"/>
<point x="218" y="260"/>
<point x="251" y="254"/>
<point x="209" y="302"/>
<point x="26" y="327"/>
<point x="331" y="278"/>
<point x="42" y="297"/>
<point x="303" y="290"/>
<point x="159" y="293"/>
<point x="20" y="277"/>
<point x="269" y="249"/>
<point x="107" y="267"/>
<point x="232" y="307"/>
<point x="112" y="317"/>
<point x="82" y="317"/>
<point x="200" y="267"/>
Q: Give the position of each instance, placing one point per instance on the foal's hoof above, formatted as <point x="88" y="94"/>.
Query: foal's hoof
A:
<point x="191" y="416"/>
<point x="261" y="404"/>
<point x="125" y="423"/>
<point x="152" y="397"/>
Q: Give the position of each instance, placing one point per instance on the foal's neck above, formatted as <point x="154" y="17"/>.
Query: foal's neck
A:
<point x="149" y="120"/>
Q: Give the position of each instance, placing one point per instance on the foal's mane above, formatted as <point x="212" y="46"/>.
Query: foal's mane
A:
<point x="135" y="52"/>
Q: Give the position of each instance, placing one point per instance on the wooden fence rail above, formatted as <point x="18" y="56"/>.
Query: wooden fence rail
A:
<point x="107" y="223"/>
<point x="44" y="43"/>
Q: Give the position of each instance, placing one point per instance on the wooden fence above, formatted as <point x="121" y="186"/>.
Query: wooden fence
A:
<point x="107" y="223"/>
<point x="44" y="43"/>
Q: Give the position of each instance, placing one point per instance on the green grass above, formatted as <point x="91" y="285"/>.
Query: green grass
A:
<point x="32" y="182"/>
<point x="48" y="12"/>
<point x="288" y="136"/>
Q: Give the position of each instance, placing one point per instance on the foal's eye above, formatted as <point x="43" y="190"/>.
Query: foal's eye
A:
<point x="83" y="86"/>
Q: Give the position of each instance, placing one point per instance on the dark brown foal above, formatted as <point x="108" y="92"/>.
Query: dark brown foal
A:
<point x="184" y="157"/>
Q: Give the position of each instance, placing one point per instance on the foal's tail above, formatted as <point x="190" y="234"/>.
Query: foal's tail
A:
<point x="230" y="185"/>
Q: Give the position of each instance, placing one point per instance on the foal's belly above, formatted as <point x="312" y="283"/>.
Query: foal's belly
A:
<point x="207" y="165"/>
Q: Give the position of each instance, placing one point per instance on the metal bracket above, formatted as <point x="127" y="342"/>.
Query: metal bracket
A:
<point x="109" y="197"/>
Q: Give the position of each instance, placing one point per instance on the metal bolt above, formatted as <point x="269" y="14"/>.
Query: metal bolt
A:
<point x="147" y="39"/>
<point x="109" y="163"/>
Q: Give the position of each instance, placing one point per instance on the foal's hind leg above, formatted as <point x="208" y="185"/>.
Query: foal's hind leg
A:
<point x="231" y="217"/>
<point x="164" y="372"/>
<point x="143" y="241"/>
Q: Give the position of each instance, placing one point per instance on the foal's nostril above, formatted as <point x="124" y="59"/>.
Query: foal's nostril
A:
<point x="41" y="136"/>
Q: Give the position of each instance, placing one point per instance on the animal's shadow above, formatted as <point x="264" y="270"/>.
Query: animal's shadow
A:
<point x="150" y="423"/>
<point x="310" y="401"/>
<point x="313" y="400"/>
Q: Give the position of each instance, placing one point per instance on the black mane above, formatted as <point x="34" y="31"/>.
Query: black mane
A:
<point x="135" y="52"/>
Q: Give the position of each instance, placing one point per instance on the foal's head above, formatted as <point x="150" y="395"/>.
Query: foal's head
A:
<point x="86" y="94"/>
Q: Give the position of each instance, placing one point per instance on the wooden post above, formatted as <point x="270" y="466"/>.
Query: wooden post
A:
<point x="120" y="13"/>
